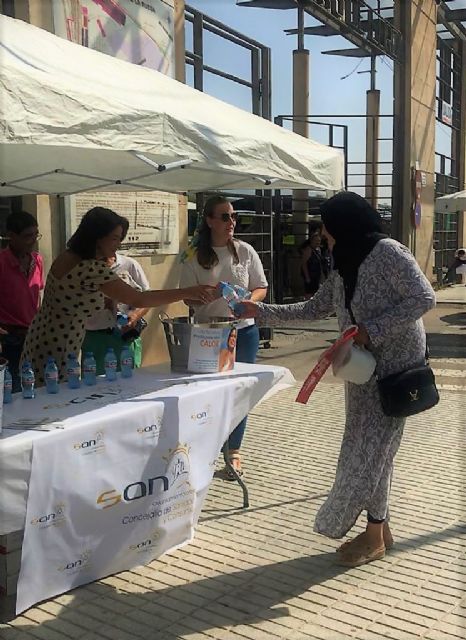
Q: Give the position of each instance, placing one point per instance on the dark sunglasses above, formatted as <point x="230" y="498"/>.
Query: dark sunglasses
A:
<point x="225" y="217"/>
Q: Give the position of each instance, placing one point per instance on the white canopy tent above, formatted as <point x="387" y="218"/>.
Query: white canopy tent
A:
<point x="73" y="119"/>
<point x="451" y="203"/>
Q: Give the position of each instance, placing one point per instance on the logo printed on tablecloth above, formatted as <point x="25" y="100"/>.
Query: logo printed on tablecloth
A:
<point x="203" y="416"/>
<point x="151" y="430"/>
<point x="149" y="543"/>
<point x="78" y="564"/>
<point x="98" y="398"/>
<point x="95" y="444"/>
<point x="167" y="508"/>
<point x="56" y="517"/>
<point x="177" y="467"/>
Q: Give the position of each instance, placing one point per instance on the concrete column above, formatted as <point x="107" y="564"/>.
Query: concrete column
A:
<point x="300" y="197"/>
<point x="460" y="142"/>
<point x="372" y="145"/>
<point x="180" y="64"/>
<point x="414" y="125"/>
<point x="37" y="12"/>
<point x="300" y="126"/>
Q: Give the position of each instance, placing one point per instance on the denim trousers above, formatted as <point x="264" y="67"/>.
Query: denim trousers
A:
<point x="12" y="346"/>
<point x="247" y="346"/>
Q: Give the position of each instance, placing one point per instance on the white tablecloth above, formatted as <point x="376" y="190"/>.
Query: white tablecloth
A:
<point x="25" y="421"/>
<point x="108" y="477"/>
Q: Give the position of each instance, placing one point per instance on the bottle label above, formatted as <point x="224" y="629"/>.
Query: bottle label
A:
<point x="127" y="362"/>
<point x="111" y="365"/>
<point x="51" y="376"/>
<point x="8" y="386"/>
<point x="73" y="371"/>
<point x="90" y="368"/>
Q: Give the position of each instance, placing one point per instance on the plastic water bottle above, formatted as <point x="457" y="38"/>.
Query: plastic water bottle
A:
<point x="233" y="294"/>
<point x="73" y="371"/>
<point x="242" y="293"/>
<point x="110" y="364"/>
<point x="28" y="380"/>
<point x="89" y="369"/>
<point x="121" y="321"/>
<point x="51" y="376"/>
<point x="7" y="387"/>
<point x="126" y="363"/>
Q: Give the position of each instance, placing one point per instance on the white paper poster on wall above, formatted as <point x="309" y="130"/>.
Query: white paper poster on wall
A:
<point x="212" y="350"/>
<point x="153" y="218"/>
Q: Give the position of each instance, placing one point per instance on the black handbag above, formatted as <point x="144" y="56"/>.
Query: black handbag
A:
<point x="409" y="392"/>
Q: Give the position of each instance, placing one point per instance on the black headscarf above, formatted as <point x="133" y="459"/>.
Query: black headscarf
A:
<point x="356" y="227"/>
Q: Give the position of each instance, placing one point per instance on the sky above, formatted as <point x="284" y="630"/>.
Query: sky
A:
<point x="337" y="86"/>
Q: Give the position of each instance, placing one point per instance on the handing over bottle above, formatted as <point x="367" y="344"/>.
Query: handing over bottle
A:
<point x="233" y="294"/>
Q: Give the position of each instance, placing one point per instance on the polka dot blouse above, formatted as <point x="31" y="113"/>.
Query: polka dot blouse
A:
<point x="59" y="327"/>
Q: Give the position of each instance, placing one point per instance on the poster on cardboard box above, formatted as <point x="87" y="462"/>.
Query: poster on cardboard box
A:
<point x="212" y="350"/>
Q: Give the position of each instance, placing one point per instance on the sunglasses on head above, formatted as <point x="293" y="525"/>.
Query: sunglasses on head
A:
<point x="225" y="217"/>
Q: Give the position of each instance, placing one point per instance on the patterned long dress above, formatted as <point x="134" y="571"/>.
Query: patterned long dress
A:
<point x="391" y="296"/>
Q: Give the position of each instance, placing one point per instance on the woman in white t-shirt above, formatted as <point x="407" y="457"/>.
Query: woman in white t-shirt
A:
<point x="221" y="257"/>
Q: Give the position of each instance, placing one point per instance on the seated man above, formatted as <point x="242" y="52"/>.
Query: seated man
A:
<point x="21" y="281"/>
<point x="101" y="329"/>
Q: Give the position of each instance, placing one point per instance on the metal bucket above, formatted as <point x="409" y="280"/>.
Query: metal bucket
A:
<point x="196" y="347"/>
<point x="3" y="366"/>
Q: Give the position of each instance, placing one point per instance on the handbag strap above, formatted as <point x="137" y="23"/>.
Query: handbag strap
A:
<point x="351" y="314"/>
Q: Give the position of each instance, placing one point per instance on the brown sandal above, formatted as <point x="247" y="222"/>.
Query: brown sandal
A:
<point x="360" y="556"/>
<point x="227" y="473"/>
<point x="388" y="543"/>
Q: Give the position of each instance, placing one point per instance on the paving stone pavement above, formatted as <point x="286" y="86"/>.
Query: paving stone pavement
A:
<point x="262" y="574"/>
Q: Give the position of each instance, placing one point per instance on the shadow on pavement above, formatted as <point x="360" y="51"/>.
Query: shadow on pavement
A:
<point x="457" y="319"/>
<point x="447" y="345"/>
<point x="242" y="597"/>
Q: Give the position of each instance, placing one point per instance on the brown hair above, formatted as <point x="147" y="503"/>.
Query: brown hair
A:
<point x="206" y="256"/>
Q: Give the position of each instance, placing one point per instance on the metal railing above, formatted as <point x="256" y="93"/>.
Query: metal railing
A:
<point x="446" y="225"/>
<point x="259" y="81"/>
<point x="358" y="171"/>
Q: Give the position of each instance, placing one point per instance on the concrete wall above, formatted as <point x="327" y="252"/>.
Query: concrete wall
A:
<point x="423" y="112"/>
<point x="162" y="271"/>
<point x="414" y="135"/>
<point x="462" y="145"/>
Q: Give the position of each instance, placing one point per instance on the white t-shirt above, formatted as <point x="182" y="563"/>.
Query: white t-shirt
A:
<point x="248" y="273"/>
<point x="131" y="272"/>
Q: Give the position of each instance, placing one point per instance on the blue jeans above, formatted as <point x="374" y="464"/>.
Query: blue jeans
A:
<point x="247" y="346"/>
<point x="12" y="347"/>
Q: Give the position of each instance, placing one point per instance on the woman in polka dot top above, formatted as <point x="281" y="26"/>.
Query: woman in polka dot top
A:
<point x="76" y="285"/>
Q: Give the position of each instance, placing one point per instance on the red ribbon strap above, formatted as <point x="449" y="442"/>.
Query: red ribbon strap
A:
<point x="323" y="364"/>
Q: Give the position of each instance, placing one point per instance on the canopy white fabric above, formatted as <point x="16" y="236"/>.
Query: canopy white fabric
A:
<point x="73" y="119"/>
<point x="451" y="203"/>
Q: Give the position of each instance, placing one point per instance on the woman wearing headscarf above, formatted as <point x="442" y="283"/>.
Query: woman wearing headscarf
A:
<point x="376" y="284"/>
